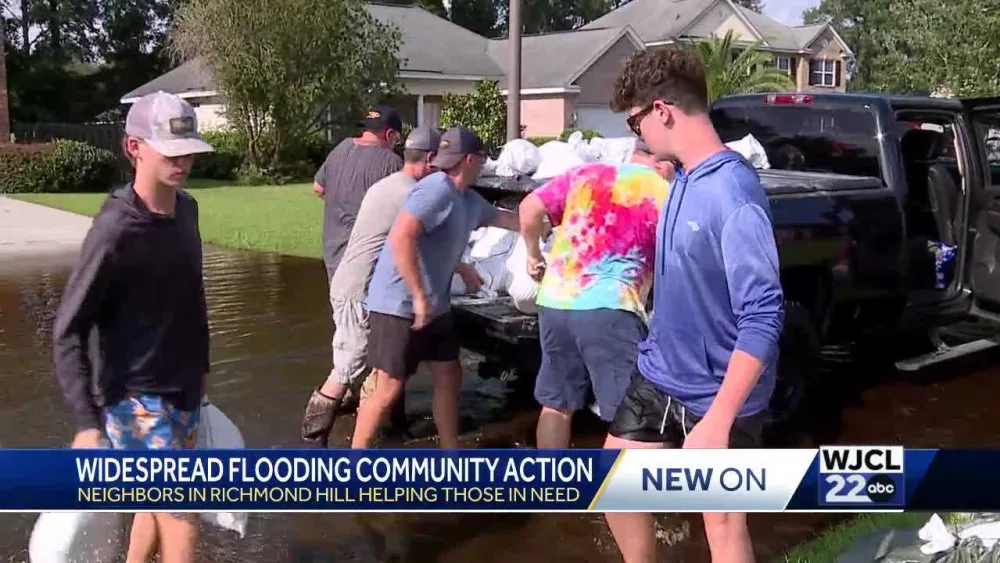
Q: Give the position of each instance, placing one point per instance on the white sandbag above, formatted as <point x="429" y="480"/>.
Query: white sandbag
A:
<point x="522" y="288"/>
<point x="752" y="150"/>
<point x="614" y="150"/>
<point x="217" y="432"/>
<point x="77" y="537"/>
<point x="557" y="157"/>
<point x="487" y="254"/>
<point x="518" y="156"/>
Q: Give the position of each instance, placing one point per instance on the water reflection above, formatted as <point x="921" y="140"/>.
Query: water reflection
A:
<point x="270" y="344"/>
<point x="270" y="347"/>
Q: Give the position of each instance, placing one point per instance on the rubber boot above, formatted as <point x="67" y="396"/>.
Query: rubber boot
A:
<point x="321" y="412"/>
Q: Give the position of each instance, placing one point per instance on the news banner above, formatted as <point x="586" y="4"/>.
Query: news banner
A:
<point x="836" y="478"/>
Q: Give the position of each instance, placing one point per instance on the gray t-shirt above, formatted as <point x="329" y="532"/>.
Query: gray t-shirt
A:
<point x="449" y="216"/>
<point x="375" y="217"/>
<point x="349" y="170"/>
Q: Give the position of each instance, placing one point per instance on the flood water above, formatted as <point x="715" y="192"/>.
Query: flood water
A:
<point x="270" y="348"/>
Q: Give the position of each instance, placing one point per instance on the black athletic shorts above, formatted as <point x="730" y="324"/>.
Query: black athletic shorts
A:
<point x="647" y="414"/>
<point x="395" y="348"/>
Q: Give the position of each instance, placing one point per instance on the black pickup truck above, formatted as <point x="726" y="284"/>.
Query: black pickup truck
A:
<point x="859" y="185"/>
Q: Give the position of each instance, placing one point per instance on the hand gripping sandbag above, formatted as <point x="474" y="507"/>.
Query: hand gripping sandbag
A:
<point x="77" y="537"/>
<point x="217" y="432"/>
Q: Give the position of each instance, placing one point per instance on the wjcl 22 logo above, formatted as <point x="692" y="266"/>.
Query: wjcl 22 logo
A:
<point x="861" y="475"/>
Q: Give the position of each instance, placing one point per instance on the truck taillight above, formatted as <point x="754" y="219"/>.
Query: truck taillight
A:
<point x="788" y="98"/>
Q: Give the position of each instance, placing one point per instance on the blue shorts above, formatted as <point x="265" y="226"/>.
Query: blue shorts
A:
<point x="149" y="422"/>
<point x="582" y="350"/>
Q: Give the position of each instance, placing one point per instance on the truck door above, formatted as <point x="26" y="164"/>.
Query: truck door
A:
<point x="983" y="259"/>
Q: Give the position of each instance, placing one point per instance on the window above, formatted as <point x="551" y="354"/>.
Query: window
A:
<point x="783" y="63"/>
<point x="823" y="72"/>
<point x="811" y="137"/>
<point x="987" y="128"/>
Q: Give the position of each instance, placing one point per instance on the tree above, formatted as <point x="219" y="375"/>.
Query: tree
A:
<point x="858" y="23"/>
<point x="484" y="111"/>
<point x="755" y="5"/>
<point x="937" y="46"/>
<point x="491" y="17"/>
<point x="478" y="16"/>
<point x="748" y="72"/>
<point x="287" y="68"/>
<point x="919" y="46"/>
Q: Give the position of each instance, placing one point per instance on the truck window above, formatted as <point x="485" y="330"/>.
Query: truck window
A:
<point x="988" y="126"/>
<point x="807" y="136"/>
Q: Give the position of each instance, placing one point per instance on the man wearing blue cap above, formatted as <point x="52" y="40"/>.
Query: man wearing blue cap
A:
<point x="409" y="300"/>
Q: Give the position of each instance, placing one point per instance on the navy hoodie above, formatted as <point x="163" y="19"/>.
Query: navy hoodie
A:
<point x="716" y="287"/>
<point x="133" y="316"/>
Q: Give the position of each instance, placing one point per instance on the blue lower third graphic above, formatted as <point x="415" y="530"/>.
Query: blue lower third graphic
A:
<point x="860" y="490"/>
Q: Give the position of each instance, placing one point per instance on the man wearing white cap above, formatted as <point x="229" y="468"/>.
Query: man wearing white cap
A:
<point x="139" y="284"/>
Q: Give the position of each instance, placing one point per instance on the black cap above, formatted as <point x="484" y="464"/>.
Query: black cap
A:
<point x="455" y="144"/>
<point x="382" y="117"/>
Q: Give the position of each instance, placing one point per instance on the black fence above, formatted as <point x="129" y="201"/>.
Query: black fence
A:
<point x="101" y="135"/>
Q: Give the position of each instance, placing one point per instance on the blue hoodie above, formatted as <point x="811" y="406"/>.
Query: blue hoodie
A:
<point x="716" y="288"/>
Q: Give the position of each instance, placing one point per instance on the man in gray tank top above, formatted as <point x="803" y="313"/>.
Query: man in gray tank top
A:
<point x="349" y="284"/>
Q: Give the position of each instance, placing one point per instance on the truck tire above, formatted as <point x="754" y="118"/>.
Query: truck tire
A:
<point x="798" y="367"/>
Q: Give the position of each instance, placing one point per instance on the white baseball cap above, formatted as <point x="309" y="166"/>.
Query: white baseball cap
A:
<point x="166" y="123"/>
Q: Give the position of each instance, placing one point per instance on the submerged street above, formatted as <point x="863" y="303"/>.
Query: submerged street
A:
<point x="270" y="347"/>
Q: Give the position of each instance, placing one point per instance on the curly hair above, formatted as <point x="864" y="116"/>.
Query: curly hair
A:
<point x="669" y="74"/>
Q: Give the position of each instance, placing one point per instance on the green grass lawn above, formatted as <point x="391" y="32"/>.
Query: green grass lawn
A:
<point x="831" y="543"/>
<point x="282" y="219"/>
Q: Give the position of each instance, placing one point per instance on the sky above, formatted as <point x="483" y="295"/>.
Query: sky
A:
<point x="788" y="12"/>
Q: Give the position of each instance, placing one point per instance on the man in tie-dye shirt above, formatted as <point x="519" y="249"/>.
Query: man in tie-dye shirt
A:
<point x="592" y="297"/>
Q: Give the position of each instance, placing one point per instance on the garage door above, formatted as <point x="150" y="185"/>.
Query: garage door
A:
<point x="601" y="118"/>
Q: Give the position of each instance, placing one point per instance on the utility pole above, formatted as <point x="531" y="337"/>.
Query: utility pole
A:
<point x="514" y="72"/>
<point x="4" y="99"/>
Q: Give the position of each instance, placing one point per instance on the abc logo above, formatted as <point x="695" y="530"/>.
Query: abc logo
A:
<point x="880" y="488"/>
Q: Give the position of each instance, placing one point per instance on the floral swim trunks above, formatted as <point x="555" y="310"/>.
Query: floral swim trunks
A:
<point x="148" y="422"/>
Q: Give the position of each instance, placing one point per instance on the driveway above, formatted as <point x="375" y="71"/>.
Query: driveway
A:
<point x="33" y="235"/>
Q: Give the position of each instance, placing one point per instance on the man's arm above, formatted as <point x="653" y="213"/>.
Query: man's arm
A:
<point x="752" y="274"/>
<point x="403" y="240"/>
<point x="505" y="219"/>
<point x="469" y="276"/>
<point x="532" y="223"/>
<point x="78" y="312"/>
<point x="425" y="208"/>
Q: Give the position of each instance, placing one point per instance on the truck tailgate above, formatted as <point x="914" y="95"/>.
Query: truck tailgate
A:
<point x="497" y="316"/>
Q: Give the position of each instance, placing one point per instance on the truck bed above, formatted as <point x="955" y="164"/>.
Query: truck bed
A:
<point x="777" y="182"/>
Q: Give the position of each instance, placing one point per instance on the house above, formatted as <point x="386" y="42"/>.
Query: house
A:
<point x="567" y="77"/>
<point x="813" y="55"/>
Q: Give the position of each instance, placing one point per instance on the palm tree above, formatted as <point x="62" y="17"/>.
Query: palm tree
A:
<point x="749" y="72"/>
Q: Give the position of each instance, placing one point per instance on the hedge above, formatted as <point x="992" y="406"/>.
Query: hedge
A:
<point x="56" y="167"/>
<point x="228" y="160"/>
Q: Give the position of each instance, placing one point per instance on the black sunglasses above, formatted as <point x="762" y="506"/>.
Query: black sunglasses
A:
<point x="636" y="119"/>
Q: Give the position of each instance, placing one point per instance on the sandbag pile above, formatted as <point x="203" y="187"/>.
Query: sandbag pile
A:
<point x="522" y="158"/>
<point x="500" y="258"/>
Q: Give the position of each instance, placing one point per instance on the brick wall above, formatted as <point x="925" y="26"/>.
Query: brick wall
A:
<point x="4" y="100"/>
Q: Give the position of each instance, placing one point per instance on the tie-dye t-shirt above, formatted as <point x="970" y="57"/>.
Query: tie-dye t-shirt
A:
<point x="603" y="251"/>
